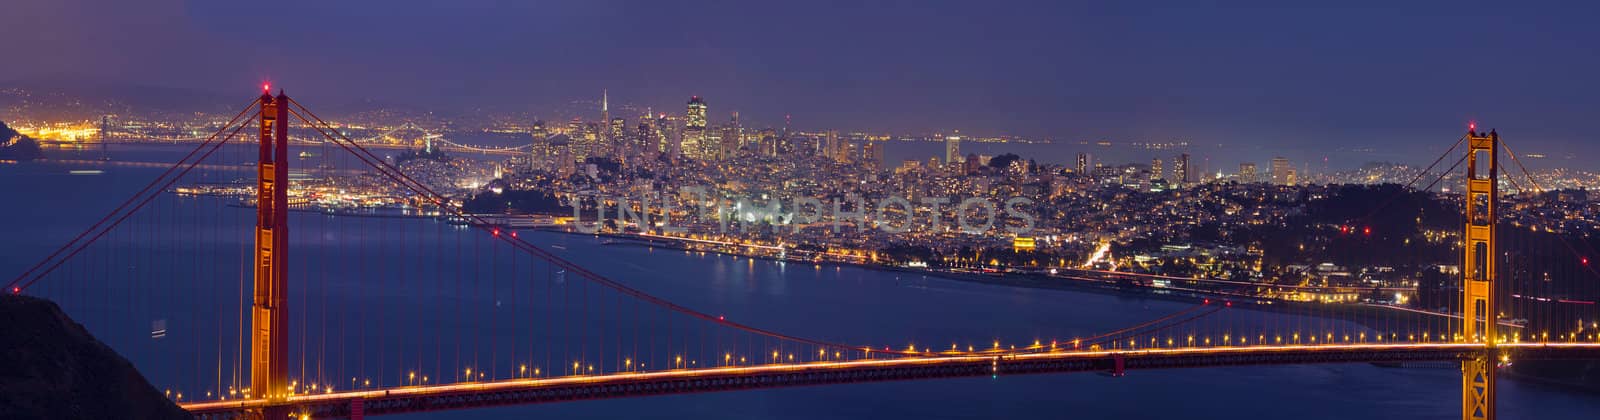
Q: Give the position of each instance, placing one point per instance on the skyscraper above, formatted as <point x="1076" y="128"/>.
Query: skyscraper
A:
<point x="767" y="141"/>
<point x="872" y="155"/>
<point x="540" y="154"/>
<point x="1155" y="169"/>
<point x="786" y="139"/>
<point x="1083" y="164"/>
<point x="1281" y="171"/>
<point x="732" y="138"/>
<point x="645" y="140"/>
<point x="829" y="145"/>
<point x="617" y="132"/>
<point x="538" y="130"/>
<point x="579" y="144"/>
<point x="667" y="139"/>
<point x="1247" y="172"/>
<point x="728" y="146"/>
<point x="952" y="148"/>
<point x="694" y="129"/>
<point x="1182" y="174"/>
<point x="696" y="115"/>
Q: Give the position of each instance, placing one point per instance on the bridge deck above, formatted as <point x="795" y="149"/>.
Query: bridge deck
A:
<point x="680" y="381"/>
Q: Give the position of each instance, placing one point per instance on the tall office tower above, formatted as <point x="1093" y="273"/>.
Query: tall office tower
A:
<point x="696" y="115"/>
<point x="577" y="146"/>
<point x="605" y="106"/>
<point x="872" y="155"/>
<point x="566" y="161"/>
<point x="1182" y="174"/>
<point x="1280" y="170"/>
<point x="1247" y="172"/>
<point x="828" y="144"/>
<point x="1083" y="164"/>
<point x="541" y="154"/>
<point x="694" y="129"/>
<point x="786" y="139"/>
<point x="952" y="148"/>
<point x="1289" y="177"/>
<point x="847" y="150"/>
<point x="1155" y="169"/>
<point x="667" y="136"/>
<point x="619" y="141"/>
<point x="593" y="139"/>
<point x="732" y="138"/>
<point x="728" y="146"/>
<point x="645" y="140"/>
<point x="767" y="142"/>
<point x="538" y="130"/>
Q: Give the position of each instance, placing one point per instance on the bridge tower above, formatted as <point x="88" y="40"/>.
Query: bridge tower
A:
<point x="1477" y="276"/>
<point x="269" y="346"/>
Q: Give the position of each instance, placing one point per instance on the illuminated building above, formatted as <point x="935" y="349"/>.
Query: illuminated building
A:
<point x="830" y="145"/>
<point x="617" y="141"/>
<point x="578" y="133"/>
<point x="1083" y="164"/>
<point x="1247" y="172"/>
<point x="694" y="139"/>
<point x="768" y="142"/>
<point x="731" y="135"/>
<point x="561" y="152"/>
<point x="1281" y="171"/>
<point x="1155" y="169"/>
<point x="646" y="143"/>
<point x="872" y="155"/>
<point x="952" y="148"/>
<point x="1182" y="174"/>
<point x="668" y="140"/>
<point x="605" y="117"/>
<point x="541" y="153"/>
<point x="1022" y="244"/>
<point x="783" y="141"/>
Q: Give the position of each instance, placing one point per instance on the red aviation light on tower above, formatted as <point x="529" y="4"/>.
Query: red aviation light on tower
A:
<point x="1472" y="126"/>
<point x="266" y="87"/>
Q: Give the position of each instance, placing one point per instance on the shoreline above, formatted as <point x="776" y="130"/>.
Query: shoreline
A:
<point x="1036" y="281"/>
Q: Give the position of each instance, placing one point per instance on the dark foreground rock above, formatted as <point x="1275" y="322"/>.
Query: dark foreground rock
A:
<point x="51" y="368"/>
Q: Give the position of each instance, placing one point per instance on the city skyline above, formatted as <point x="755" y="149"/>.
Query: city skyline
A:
<point x="950" y="209"/>
<point x="1282" y="77"/>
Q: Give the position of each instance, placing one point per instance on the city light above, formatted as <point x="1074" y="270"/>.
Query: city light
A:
<point x="854" y="218"/>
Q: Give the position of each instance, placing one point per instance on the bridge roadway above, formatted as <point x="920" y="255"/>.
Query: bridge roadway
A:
<point x="503" y="151"/>
<point x="423" y="398"/>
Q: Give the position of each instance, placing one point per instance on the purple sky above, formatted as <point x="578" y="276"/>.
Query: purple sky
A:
<point x="1264" y="74"/>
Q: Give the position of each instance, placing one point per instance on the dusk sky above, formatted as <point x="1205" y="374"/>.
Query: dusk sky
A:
<point x="1255" y="73"/>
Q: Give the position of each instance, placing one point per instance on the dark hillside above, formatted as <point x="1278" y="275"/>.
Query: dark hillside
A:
<point x="51" y="368"/>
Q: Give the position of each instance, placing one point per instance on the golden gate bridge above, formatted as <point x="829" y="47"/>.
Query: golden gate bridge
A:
<point x="515" y="323"/>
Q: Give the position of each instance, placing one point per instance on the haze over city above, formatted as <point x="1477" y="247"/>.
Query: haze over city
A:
<point x="798" y="210"/>
<point x="1253" y="74"/>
